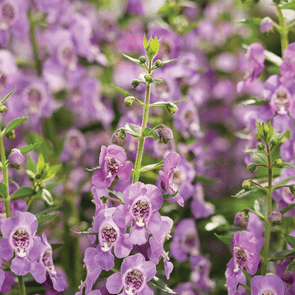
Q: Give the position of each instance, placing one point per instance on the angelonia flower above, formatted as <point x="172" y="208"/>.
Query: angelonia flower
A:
<point x="275" y="217"/>
<point x="19" y="239"/>
<point x="113" y="162"/>
<point x="266" y="25"/>
<point x="16" y="158"/>
<point x="241" y="219"/>
<point x="269" y="284"/>
<point x="133" y="278"/>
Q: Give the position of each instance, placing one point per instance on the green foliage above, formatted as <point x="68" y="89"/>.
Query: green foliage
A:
<point x="159" y="284"/>
<point x="23" y="193"/>
<point x="13" y="124"/>
<point x="151" y="47"/>
<point x="133" y="129"/>
<point x="148" y="132"/>
<point x="226" y="239"/>
<point x="3" y="190"/>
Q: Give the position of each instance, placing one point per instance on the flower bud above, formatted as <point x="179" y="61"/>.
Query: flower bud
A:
<point x="251" y="167"/>
<point x="158" y="63"/>
<point x="135" y="83"/>
<point x="129" y="100"/>
<point x="16" y="158"/>
<point x="38" y="176"/>
<point x="275" y="217"/>
<point x="261" y="146"/>
<point x="142" y="59"/>
<point x="279" y="163"/>
<point x="3" y="108"/>
<point x="172" y="108"/>
<point x="119" y="137"/>
<point x="266" y="25"/>
<point x="148" y="78"/>
<point x="274" y="141"/>
<point x="165" y="133"/>
<point x="246" y="185"/>
<point x="241" y="219"/>
<point x="292" y="189"/>
<point x="10" y="135"/>
<point x="265" y="129"/>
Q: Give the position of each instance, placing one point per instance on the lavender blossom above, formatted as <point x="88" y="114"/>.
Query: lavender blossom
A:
<point x="269" y="284"/>
<point x="133" y="278"/>
<point x="266" y="25"/>
<point x="16" y="158"/>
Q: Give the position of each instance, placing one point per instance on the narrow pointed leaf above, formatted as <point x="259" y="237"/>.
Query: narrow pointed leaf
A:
<point x="252" y="101"/>
<point x="159" y="284"/>
<point x="23" y="193"/>
<point x="32" y="165"/>
<point x="40" y="163"/>
<point x="260" y="206"/>
<point x="133" y="129"/>
<point x="3" y="190"/>
<point x="290" y="240"/>
<point x="84" y="232"/>
<point x="30" y="147"/>
<point x="148" y="132"/>
<point x="288" y="208"/>
<point x="122" y="91"/>
<point x="164" y="62"/>
<point x="283" y="182"/>
<point x="46" y="217"/>
<point x="225" y="239"/>
<point x="8" y="95"/>
<point x="13" y="124"/>
<point x="47" y="197"/>
<point x="134" y="60"/>
<point x="260" y="159"/>
<point x="152" y="167"/>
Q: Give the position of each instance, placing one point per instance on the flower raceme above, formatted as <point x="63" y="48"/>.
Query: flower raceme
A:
<point x="113" y="162"/>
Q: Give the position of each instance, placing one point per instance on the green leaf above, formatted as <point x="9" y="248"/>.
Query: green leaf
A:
<point x="7" y="96"/>
<point x="48" y="210"/>
<point x="46" y="217"/>
<point x="31" y="165"/>
<point x="148" y="132"/>
<point x="170" y="195"/>
<point x="119" y="195"/>
<point x="134" y="60"/>
<point x="254" y="151"/>
<point x="288" y="208"/>
<point x="225" y="239"/>
<point x="288" y="6"/>
<point x="41" y="163"/>
<point x="164" y="62"/>
<point x="270" y="133"/>
<point x="290" y="240"/>
<point x="92" y="169"/>
<point x="260" y="159"/>
<point x="287" y="165"/>
<point x="284" y="253"/>
<point x="151" y="167"/>
<point x="204" y="179"/>
<point x="153" y="50"/>
<point x="56" y="246"/>
<point x="291" y="265"/>
<point x="13" y="124"/>
<point x="260" y="206"/>
<point x="47" y="197"/>
<point x="52" y="171"/>
<point x="252" y="101"/>
<point x="145" y="43"/>
<point x="23" y="193"/>
<point x="30" y="147"/>
<point x="259" y="130"/>
<point x="158" y="81"/>
<point x="251" y="21"/>
<point x="84" y="232"/>
<point x="159" y="284"/>
<point x="283" y="182"/>
<point x="3" y="190"/>
<point x="242" y="193"/>
<point x="125" y="93"/>
<point x="279" y="136"/>
<point x="133" y="129"/>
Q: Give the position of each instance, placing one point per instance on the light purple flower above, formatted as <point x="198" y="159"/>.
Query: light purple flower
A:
<point x="169" y="175"/>
<point x="142" y="202"/>
<point x="16" y="158"/>
<point x="185" y="240"/>
<point x="269" y="284"/>
<point x="245" y="254"/>
<point x="287" y="275"/>
<point x="19" y="238"/>
<point x="133" y="278"/>
<point x="45" y="265"/>
<point x="113" y="162"/>
<point x="266" y="25"/>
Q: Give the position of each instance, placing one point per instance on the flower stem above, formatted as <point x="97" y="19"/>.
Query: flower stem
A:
<point x="269" y="207"/>
<point x="143" y="126"/>
<point x="283" y="30"/>
<point x="22" y="288"/>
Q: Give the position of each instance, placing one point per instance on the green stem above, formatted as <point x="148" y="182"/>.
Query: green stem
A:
<point x="5" y="176"/>
<point x="35" y="45"/>
<point x="283" y="30"/>
<point x="269" y="208"/>
<point x="22" y="288"/>
<point x="143" y="126"/>
<point x="114" y="200"/>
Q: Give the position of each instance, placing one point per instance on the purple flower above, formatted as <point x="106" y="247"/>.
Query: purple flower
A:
<point x="287" y="67"/>
<point x="170" y="175"/>
<point x="256" y="228"/>
<point x="142" y="202"/>
<point x="185" y="240"/>
<point x="45" y="264"/>
<point x="245" y="254"/>
<point x="109" y="236"/>
<point x="269" y="284"/>
<point x="280" y="93"/>
<point x="16" y="158"/>
<point x="287" y="275"/>
<point x="113" y="162"/>
<point x="133" y="278"/>
<point x="19" y="238"/>
<point x="266" y="25"/>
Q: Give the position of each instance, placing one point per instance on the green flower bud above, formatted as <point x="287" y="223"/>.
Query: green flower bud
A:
<point x="119" y="137"/>
<point x="274" y="141"/>
<point x="41" y="186"/>
<point x="158" y="63"/>
<point x="148" y="78"/>
<point x="279" y="163"/>
<point x="38" y="176"/>
<point x="3" y="108"/>
<point x="261" y="146"/>
<point x="172" y="108"/>
<point x="265" y="129"/>
<point x="251" y="167"/>
<point x="246" y="185"/>
<point x="142" y="59"/>
<point x="292" y="189"/>
<point x="129" y="100"/>
<point x="135" y="83"/>
<point x="10" y="135"/>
